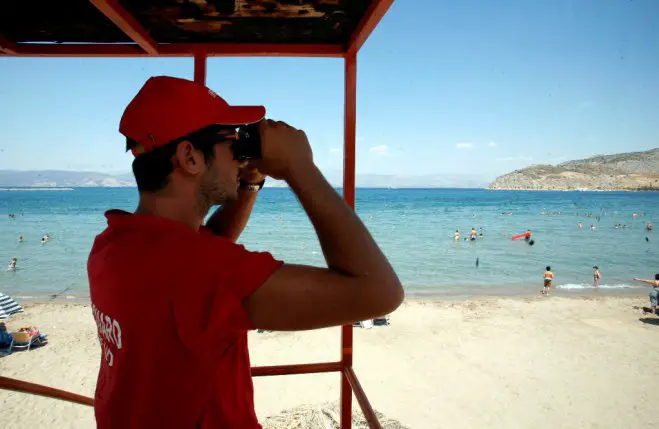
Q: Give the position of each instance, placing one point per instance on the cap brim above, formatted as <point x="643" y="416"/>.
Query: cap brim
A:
<point x="240" y="115"/>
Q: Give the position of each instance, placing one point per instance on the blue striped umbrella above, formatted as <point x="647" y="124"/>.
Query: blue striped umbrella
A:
<point x="8" y="306"/>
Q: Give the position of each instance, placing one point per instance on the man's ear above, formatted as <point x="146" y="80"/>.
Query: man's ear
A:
<point x="189" y="159"/>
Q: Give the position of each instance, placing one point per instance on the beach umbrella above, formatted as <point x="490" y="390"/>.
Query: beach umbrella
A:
<point x="8" y="306"/>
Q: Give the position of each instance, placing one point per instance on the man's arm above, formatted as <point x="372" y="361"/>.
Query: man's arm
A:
<point x="358" y="283"/>
<point x="230" y="219"/>
<point x="650" y="282"/>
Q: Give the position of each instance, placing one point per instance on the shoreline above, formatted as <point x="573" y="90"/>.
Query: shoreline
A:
<point x="410" y="296"/>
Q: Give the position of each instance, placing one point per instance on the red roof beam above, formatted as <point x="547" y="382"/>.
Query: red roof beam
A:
<point x="179" y="50"/>
<point x="370" y="20"/>
<point x="126" y="23"/>
<point x="7" y="46"/>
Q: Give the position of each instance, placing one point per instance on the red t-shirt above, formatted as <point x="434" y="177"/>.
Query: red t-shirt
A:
<point x="168" y="304"/>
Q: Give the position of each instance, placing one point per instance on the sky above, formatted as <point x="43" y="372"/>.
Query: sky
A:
<point x="444" y="88"/>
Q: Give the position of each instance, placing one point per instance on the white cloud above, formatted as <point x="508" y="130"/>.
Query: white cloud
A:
<point x="381" y="150"/>
<point x="492" y="144"/>
<point x="335" y="150"/>
<point x="516" y="158"/>
<point x="464" y="145"/>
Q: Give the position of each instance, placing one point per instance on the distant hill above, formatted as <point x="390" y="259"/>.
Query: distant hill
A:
<point x="624" y="171"/>
<point x="59" y="179"/>
<point x="75" y="179"/>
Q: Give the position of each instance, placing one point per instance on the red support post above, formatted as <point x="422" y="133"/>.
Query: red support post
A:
<point x="349" y="195"/>
<point x="200" y="67"/>
<point x="49" y="392"/>
<point x="369" y="414"/>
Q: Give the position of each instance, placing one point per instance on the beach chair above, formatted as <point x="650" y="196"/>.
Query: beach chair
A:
<point x="368" y="324"/>
<point x="27" y="338"/>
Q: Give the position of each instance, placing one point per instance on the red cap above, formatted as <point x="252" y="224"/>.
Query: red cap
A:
<point x="167" y="108"/>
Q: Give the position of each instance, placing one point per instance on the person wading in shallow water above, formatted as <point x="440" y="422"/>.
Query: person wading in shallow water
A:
<point x="548" y="278"/>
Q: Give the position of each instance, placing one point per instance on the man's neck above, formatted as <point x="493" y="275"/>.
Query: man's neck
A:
<point x="170" y="208"/>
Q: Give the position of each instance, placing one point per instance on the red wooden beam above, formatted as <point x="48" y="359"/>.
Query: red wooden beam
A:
<point x="305" y="368"/>
<point x="255" y="49"/>
<point x="369" y="21"/>
<point x="349" y="135"/>
<point x="126" y="23"/>
<point x="7" y="46"/>
<point x="178" y="50"/>
<point x="369" y="414"/>
<point x="37" y="389"/>
<point x="200" y="67"/>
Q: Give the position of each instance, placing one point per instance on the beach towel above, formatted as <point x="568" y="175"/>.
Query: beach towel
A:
<point x="8" y="306"/>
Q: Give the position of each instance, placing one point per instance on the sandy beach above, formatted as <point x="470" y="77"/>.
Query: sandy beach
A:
<point x="572" y="362"/>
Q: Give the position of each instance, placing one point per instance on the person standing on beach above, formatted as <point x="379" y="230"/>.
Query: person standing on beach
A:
<point x="654" y="294"/>
<point x="173" y="298"/>
<point x="548" y="278"/>
<point x="596" y="276"/>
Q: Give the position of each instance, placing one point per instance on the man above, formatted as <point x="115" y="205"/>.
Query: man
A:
<point x="174" y="300"/>
<point x="654" y="293"/>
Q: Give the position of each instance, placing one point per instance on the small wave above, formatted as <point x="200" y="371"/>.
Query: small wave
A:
<point x="590" y="286"/>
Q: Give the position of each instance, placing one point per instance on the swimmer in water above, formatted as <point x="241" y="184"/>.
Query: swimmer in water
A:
<point x="648" y="226"/>
<point x="456" y="235"/>
<point x="473" y="233"/>
<point x="528" y="235"/>
<point x="20" y="238"/>
<point x="477" y="262"/>
<point x="12" y="264"/>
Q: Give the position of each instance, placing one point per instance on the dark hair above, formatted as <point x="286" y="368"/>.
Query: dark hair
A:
<point x="548" y="268"/>
<point x="596" y="267"/>
<point x="152" y="168"/>
<point x="656" y="276"/>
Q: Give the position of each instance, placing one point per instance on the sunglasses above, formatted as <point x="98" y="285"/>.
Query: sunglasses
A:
<point x="245" y="141"/>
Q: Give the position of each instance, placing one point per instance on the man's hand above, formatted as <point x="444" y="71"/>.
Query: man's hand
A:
<point x="251" y="175"/>
<point x="283" y="150"/>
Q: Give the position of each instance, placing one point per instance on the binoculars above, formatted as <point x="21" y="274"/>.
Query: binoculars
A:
<point x="246" y="144"/>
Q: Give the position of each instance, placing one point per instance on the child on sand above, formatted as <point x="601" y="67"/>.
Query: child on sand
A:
<point x="548" y="277"/>
<point x="596" y="276"/>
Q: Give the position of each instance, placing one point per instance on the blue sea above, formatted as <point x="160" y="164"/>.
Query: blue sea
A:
<point x="414" y="227"/>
